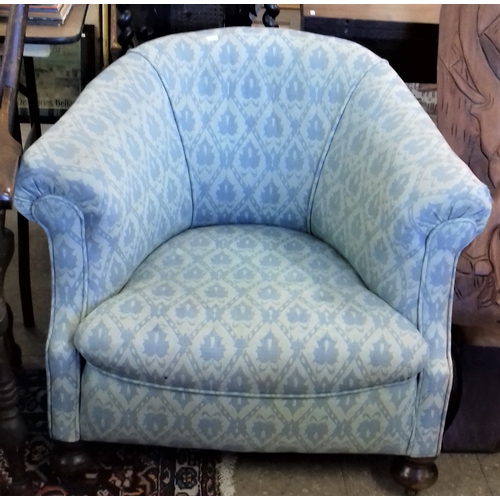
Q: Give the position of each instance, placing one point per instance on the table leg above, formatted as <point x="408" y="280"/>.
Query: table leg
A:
<point x="12" y="427"/>
<point x="23" y="251"/>
<point x="23" y="235"/>
<point x="29" y="71"/>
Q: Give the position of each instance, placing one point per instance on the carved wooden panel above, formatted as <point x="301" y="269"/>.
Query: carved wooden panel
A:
<point x="468" y="115"/>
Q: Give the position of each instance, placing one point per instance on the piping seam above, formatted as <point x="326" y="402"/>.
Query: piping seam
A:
<point x="228" y="394"/>
<point x="178" y="131"/>
<point x="328" y="144"/>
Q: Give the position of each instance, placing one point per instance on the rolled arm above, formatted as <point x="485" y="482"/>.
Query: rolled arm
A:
<point x="117" y="158"/>
<point x="396" y="201"/>
<point x="108" y="183"/>
<point x="388" y="181"/>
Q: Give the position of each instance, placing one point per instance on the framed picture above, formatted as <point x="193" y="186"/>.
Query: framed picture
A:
<point x="61" y="77"/>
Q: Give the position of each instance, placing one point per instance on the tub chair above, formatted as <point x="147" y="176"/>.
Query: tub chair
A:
<point x="253" y="236"/>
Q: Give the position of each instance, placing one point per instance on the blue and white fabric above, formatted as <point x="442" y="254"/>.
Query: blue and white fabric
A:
<point x="252" y="215"/>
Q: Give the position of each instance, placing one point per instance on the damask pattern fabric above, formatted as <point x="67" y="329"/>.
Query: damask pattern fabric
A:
<point x="64" y="226"/>
<point x="394" y="178"/>
<point x="251" y="126"/>
<point x="109" y="183"/>
<point x="436" y="295"/>
<point x="377" y="420"/>
<point x="395" y="193"/>
<point x="250" y="310"/>
<point x="118" y="158"/>
<point x="256" y="114"/>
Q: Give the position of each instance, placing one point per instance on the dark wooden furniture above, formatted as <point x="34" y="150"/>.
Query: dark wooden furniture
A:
<point x="409" y="42"/>
<point x="131" y="25"/>
<point x="12" y="427"/>
<point x="468" y="115"/>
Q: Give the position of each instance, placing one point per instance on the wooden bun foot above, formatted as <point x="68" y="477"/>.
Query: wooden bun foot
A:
<point x="414" y="474"/>
<point x="68" y="459"/>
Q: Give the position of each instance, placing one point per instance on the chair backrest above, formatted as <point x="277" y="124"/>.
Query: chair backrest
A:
<point x="256" y="111"/>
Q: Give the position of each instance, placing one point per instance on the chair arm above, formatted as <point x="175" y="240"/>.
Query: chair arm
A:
<point x="396" y="201"/>
<point x="389" y="180"/>
<point x="108" y="183"/>
<point x="117" y="159"/>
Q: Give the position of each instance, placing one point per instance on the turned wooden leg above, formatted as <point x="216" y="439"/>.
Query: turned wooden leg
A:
<point x="414" y="474"/>
<point x="14" y="353"/>
<point x="70" y="458"/>
<point x="12" y="427"/>
<point x="270" y="15"/>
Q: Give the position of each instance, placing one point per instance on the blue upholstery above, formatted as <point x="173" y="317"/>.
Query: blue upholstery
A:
<point x="253" y="237"/>
<point x="376" y="420"/>
<point x="226" y="308"/>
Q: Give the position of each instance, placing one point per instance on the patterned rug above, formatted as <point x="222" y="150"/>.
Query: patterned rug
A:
<point x="119" y="469"/>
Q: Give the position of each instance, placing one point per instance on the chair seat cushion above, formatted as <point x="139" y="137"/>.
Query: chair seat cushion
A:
<point x="252" y="310"/>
